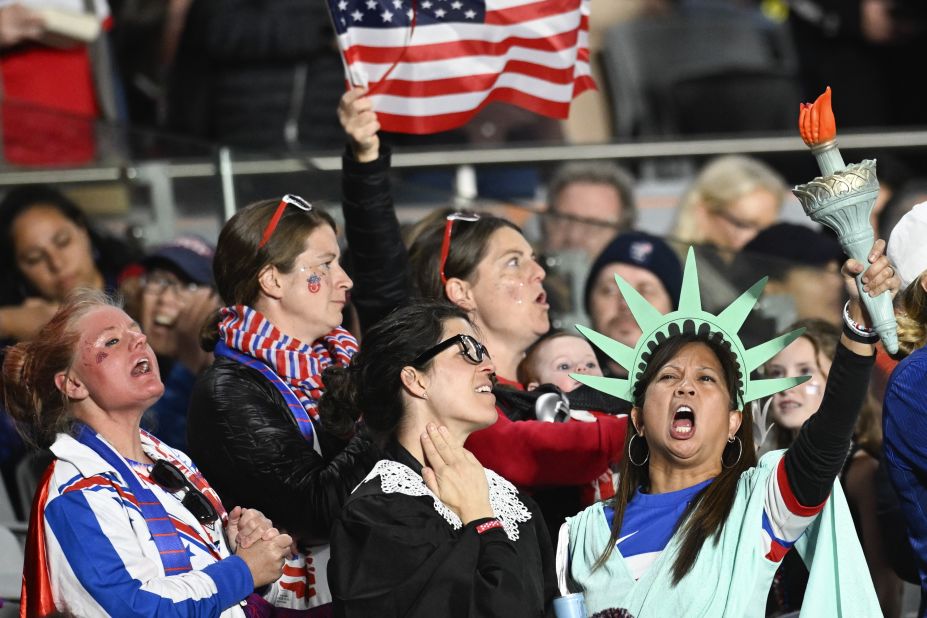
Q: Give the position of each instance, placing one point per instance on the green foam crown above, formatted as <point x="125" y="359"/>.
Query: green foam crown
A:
<point x="689" y="317"/>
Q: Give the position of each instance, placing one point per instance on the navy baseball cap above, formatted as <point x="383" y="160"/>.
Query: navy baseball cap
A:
<point x="190" y="255"/>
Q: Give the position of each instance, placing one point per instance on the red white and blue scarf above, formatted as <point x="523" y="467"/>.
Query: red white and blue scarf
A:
<point x="300" y="365"/>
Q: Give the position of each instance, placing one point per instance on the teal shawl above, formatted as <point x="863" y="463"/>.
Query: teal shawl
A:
<point x="731" y="578"/>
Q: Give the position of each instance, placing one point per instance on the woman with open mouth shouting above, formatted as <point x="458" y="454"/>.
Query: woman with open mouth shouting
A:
<point x="698" y="527"/>
<point x="122" y="524"/>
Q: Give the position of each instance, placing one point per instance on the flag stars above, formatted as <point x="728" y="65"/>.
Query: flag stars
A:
<point x="456" y="5"/>
<point x="440" y="13"/>
<point x="426" y="4"/>
<point x="357" y="15"/>
<point x="397" y="4"/>
<point x="371" y="4"/>
<point x="387" y="16"/>
<point x="343" y="5"/>
<point x="471" y="14"/>
<point x="410" y="13"/>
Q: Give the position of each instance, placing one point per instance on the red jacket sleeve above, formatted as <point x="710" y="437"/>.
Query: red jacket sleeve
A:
<point x="538" y="454"/>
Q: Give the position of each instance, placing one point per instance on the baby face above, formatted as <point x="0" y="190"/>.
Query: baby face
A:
<point x="557" y="358"/>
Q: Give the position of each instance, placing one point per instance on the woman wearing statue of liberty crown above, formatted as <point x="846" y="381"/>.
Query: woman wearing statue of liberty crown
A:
<point x="698" y="526"/>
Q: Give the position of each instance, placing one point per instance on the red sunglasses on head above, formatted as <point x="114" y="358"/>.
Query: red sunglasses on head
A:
<point x="446" y="243"/>
<point x="295" y="200"/>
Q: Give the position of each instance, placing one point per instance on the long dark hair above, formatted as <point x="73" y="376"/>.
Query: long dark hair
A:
<point x="707" y="512"/>
<point x="370" y="388"/>
<point x="468" y="248"/>
<point x="109" y="254"/>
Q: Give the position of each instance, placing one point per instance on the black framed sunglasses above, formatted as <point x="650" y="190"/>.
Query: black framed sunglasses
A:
<point x="470" y="349"/>
<point x="166" y="474"/>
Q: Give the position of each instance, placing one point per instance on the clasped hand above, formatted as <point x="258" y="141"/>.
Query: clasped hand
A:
<point x="254" y="539"/>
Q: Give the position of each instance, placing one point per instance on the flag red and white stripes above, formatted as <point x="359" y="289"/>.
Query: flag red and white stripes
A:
<point x="459" y="55"/>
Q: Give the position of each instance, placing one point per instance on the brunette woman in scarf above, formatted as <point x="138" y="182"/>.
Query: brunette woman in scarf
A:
<point x="253" y="424"/>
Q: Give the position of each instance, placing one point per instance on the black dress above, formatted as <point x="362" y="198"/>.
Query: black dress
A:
<point x="395" y="554"/>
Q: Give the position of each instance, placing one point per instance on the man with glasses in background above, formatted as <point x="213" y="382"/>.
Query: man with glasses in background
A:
<point x="588" y="204"/>
<point x="177" y="297"/>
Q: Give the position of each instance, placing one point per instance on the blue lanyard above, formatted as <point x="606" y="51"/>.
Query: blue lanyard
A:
<point x="303" y="421"/>
<point x="174" y="555"/>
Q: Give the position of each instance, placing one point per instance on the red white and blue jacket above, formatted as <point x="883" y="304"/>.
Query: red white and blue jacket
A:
<point x="101" y="558"/>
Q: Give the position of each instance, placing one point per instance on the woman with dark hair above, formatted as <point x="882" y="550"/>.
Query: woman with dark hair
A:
<point x="698" y="527"/>
<point x="253" y="425"/>
<point x="484" y="265"/>
<point x="49" y="248"/>
<point x="122" y="524"/>
<point x="430" y="532"/>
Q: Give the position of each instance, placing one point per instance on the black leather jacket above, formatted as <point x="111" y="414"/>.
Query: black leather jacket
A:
<point x="245" y="441"/>
<point x="239" y="430"/>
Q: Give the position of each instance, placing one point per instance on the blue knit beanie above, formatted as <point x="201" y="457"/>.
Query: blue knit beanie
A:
<point x="644" y="251"/>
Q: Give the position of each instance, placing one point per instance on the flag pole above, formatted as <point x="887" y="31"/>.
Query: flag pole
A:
<point x="344" y="61"/>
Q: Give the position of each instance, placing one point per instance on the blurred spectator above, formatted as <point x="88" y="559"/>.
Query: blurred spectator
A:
<point x="49" y="248"/>
<point x="650" y="266"/>
<point x="732" y="199"/>
<point x="257" y="74"/>
<point x="177" y="299"/>
<point x="803" y="266"/>
<point x="587" y="204"/>
<point x="53" y="85"/>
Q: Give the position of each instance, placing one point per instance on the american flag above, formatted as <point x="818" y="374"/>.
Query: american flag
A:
<point x="432" y="64"/>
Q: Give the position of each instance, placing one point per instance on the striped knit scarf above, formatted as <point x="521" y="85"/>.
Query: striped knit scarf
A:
<point x="300" y="365"/>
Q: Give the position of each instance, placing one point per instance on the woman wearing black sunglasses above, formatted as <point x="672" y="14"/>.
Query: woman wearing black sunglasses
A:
<point x="430" y="532"/>
<point x="484" y="265"/>
<point x="122" y="524"/>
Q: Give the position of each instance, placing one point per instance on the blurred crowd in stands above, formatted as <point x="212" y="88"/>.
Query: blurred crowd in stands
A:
<point x="265" y="76"/>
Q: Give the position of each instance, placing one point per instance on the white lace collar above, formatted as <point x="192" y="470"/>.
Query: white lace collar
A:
<point x="503" y="497"/>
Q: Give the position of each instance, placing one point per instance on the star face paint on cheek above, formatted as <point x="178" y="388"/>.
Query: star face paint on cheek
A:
<point x="101" y="356"/>
<point x="315" y="283"/>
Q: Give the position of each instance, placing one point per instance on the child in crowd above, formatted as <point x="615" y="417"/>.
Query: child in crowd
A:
<point x="553" y="357"/>
<point x="551" y="360"/>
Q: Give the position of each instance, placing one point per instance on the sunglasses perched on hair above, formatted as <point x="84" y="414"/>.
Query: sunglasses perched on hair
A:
<point x="166" y="474"/>
<point x="446" y="242"/>
<point x="470" y="349"/>
<point x="293" y="200"/>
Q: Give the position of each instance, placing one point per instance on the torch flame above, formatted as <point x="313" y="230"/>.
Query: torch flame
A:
<point x="816" y="120"/>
